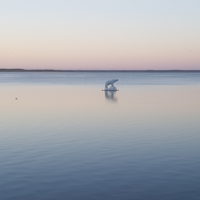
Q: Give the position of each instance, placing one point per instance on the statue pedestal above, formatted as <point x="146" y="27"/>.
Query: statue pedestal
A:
<point x="111" y="88"/>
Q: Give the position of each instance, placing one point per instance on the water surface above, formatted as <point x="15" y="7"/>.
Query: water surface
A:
<point x="61" y="137"/>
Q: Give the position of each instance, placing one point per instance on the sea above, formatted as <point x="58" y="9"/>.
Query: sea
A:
<point x="63" y="138"/>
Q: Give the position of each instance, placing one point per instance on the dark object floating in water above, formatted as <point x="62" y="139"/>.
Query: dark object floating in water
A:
<point x="16" y="98"/>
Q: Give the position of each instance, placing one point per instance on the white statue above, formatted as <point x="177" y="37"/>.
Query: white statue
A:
<point x="109" y="85"/>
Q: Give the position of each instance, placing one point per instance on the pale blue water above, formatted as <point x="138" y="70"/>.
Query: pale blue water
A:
<point x="64" y="138"/>
<point x="76" y="78"/>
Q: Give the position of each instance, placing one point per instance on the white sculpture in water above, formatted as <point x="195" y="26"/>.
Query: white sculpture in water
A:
<point x="109" y="85"/>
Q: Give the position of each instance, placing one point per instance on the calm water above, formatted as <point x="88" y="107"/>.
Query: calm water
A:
<point x="64" y="138"/>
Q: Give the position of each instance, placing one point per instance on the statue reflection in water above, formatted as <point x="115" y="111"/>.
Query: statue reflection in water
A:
<point x="110" y="95"/>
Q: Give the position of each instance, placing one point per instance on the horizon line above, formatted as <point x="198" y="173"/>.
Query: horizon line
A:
<point x="96" y="70"/>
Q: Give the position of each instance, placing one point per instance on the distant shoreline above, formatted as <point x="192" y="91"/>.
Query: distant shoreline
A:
<point x="60" y="70"/>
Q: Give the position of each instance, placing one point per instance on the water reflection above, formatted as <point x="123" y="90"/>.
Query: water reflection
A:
<point x="111" y="96"/>
<point x="63" y="134"/>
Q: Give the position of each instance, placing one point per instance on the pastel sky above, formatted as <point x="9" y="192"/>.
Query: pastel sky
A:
<point x="100" y="34"/>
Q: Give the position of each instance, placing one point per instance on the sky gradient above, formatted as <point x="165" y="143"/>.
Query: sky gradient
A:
<point x="100" y="34"/>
